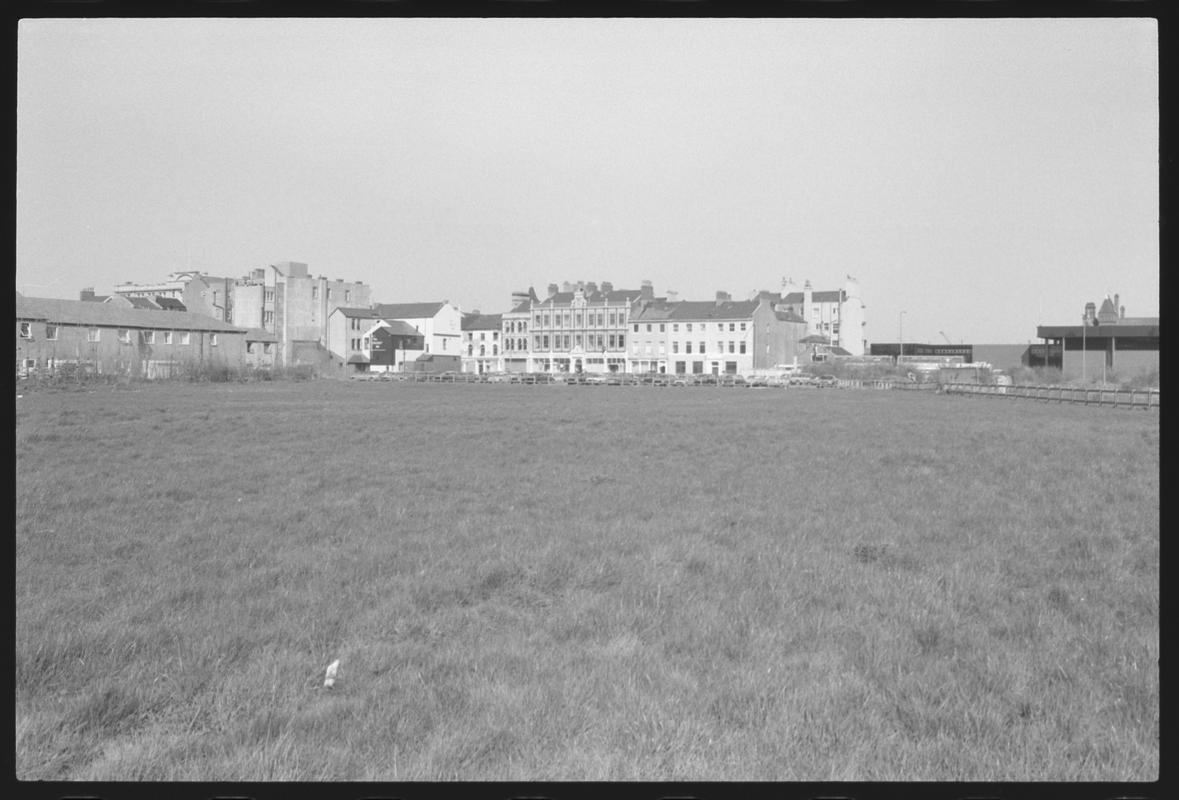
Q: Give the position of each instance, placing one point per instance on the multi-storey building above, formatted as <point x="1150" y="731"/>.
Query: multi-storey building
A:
<point x="360" y="340"/>
<point x="440" y="324"/>
<point x="837" y="315"/>
<point x="577" y="328"/>
<point x="716" y="337"/>
<point x="481" y="343"/>
<point x="200" y="293"/>
<point x="302" y="304"/>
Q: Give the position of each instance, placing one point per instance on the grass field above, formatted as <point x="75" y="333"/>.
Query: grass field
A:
<point x="596" y="583"/>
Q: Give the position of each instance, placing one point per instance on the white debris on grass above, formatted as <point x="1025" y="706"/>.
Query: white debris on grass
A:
<point x="329" y="678"/>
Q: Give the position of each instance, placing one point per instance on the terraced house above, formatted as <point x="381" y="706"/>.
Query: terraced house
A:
<point x="577" y="328"/>
<point x="481" y="343"/>
<point x="718" y="337"/>
<point x="55" y="336"/>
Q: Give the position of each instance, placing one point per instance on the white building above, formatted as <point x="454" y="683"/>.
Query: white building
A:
<point x="837" y="315"/>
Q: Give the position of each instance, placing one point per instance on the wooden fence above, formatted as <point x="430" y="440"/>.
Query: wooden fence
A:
<point x="1144" y="399"/>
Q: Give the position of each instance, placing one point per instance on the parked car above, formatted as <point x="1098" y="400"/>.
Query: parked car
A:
<point x="595" y="380"/>
<point x="827" y="381"/>
<point x="801" y="380"/>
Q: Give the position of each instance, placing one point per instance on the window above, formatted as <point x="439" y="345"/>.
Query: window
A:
<point x="613" y="319"/>
<point x="124" y="336"/>
<point x="267" y="318"/>
<point x="186" y="338"/>
<point x="688" y="327"/>
<point x="742" y="326"/>
<point x="662" y="349"/>
<point x="675" y="327"/>
<point x="544" y="342"/>
<point x="51" y="333"/>
<point x="267" y="347"/>
<point x="732" y="347"/>
<point x="314" y="292"/>
<point x="212" y="340"/>
<point x="167" y="337"/>
<point x="636" y="327"/>
<point x="26" y="330"/>
<point x="329" y="293"/>
<point x="702" y="347"/>
<point x="742" y="349"/>
<point x="680" y="367"/>
<point x="269" y="296"/>
<point x="662" y="327"/>
<point x="249" y="347"/>
<point x="720" y="347"/>
<point x="732" y="327"/>
<point x="368" y="342"/>
<point x="621" y="341"/>
<point x="675" y="347"/>
<point x="443" y="344"/>
<point x="347" y="295"/>
<point x="577" y="340"/>
<point x="149" y="337"/>
<point x="687" y="347"/>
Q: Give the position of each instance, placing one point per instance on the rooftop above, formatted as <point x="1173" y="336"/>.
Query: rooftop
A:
<point x="107" y="315"/>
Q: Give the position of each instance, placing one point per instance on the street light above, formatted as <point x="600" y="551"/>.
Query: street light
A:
<point x="901" y="336"/>
<point x="1084" y="324"/>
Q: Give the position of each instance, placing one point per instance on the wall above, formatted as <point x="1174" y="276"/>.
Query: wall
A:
<point x="113" y="357"/>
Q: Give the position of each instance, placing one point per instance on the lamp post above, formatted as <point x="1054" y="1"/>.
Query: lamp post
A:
<point x="1084" y="324"/>
<point x="900" y="336"/>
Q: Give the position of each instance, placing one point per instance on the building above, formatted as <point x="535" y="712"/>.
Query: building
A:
<point x="54" y="336"/>
<point x="716" y="337"/>
<point x="301" y="307"/>
<point x="440" y="323"/>
<point x="481" y="343"/>
<point x="408" y="336"/>
<point x="836" y="314"/>
<point x="578" y="327"/>
<point x="199" y="292"/>
<point x="1103" y="341"/>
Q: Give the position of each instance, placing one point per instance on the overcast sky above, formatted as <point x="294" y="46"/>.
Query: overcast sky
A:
<point x="981" y="175"/>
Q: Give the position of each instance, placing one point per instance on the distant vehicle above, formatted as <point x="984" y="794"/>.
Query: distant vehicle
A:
<point x="682" y="380"/>
<point x="801" y="380"/>
<point x="498" y="377"/>
<point x="595" y="380"/>
<point x="826" y="381"/>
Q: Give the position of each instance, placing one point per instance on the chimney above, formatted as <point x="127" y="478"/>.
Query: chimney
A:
<point x="647" y="291"/>
<point x="566" y="286"/>
<point x="1090" y="313"/>
<point x="723" y="297"/>
<point x="673" y="296"/>
<point x="552" y="289"/>
<point x="1116" y="306"/>
<point x="590" y="287"/>
<point x="607" y="287"/>
<point x="86" y="294"/>
<point x="519" y="297"/>
<point x="1123" y="312"/>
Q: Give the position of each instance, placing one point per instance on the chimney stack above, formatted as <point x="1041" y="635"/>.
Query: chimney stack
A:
<point x="553" y="289"/>
<point x="723" y="297"/>
<point x="86" y="294"/>
<point x="607" y="287"/>
<point x="673" y="296"/>
<point x="1123" y="312"/>
<point x="647" y="291"/>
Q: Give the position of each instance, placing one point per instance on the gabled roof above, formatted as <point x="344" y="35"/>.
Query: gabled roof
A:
<point x="397" y="328"/>
<point x="106" y="315"/>
<point x="407" y="310"/>
<point x="482" y="322"/>
<point x="363" y="313"/>
<point x="142" y="302"/>
<point x="833" y="296"/>
<point x="710" y="309"/>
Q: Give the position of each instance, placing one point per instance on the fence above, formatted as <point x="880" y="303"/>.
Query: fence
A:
<point x="1145" y="399"/>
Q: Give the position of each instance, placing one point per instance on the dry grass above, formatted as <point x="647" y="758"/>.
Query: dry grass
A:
<point x="552" y="583"/>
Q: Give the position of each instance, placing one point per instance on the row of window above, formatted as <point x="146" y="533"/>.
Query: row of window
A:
<point x="124" y="334"/>
<point x="315" y="293"/>
<point x="482" y="350"/>
<point x="598" y="341"/>
<point x="579" y="319"/>
<point x="733" y="347"/>
<point x="700" y="326"/>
